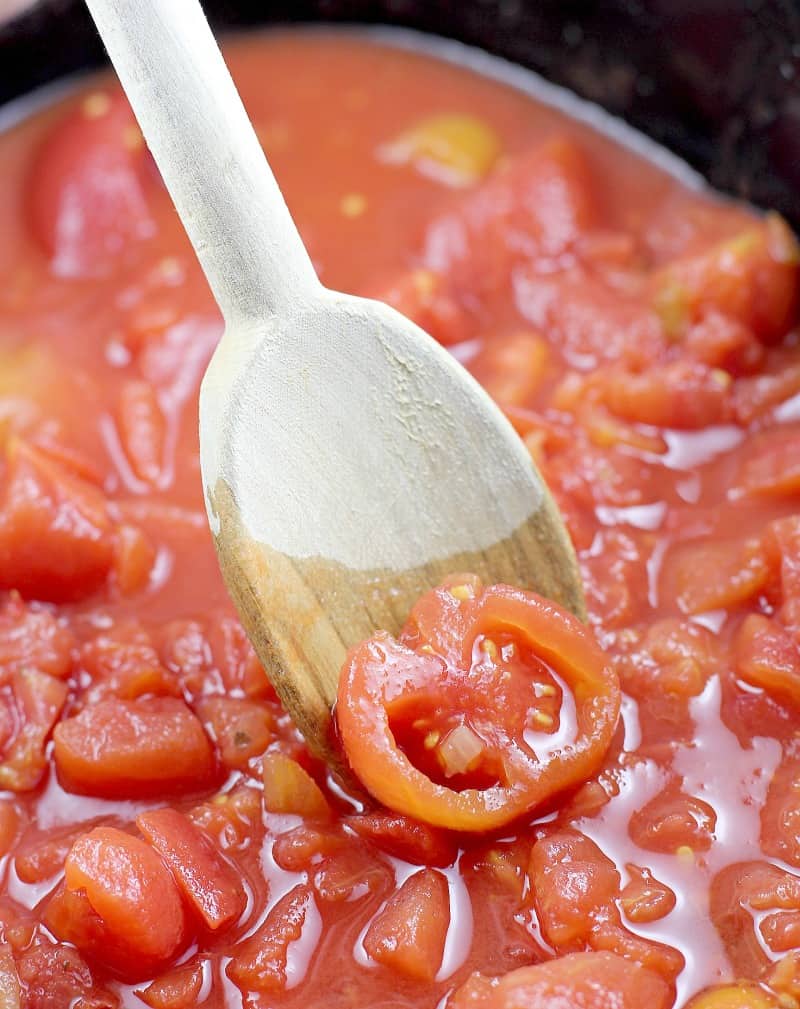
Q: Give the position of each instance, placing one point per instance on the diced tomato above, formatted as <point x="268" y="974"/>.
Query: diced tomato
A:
<point x="150" y="746"/>
<point x="177" y="989"/>
<point x="722" y="342"/>
<point x="756" y="396"/>
<point x="143" y="431"/>
<point x="408" y="935"/>
<point x="385" y="679"/>
<point x="305" y="845"/>
<point x="645" y="899"/>
<point x="755" y="896"/>
<point x="673" y="657"/>
<point x="237" y="662"/>
<point x="615" y="578"/>
<point x="208" y="882"/>
<point x="32" y="637"/>
<point x="120" y="904"/>
<point x="38" y="700"/>
<point x="260" y="962"/>
<point x="684" y="394"/>
<point x="352" y="873"/>
<point x="780" y="814"/>
<point x="543" y="201"/>
<point x="405" y="838"/>
<point x="783" y="537"/>
<point x="88" y="187"/>
<point x="753" y="278"/>
<point x="578" y="981"/>
<point x="767" y="657"/>
<point x="289" y="788"/>
<point x="42" y="857"/>
<point x="584" y="316"/>
<point x="425" y="298"/>
<point x="574" y="885"/>
<point x="673" y="820"/>
<point x="784" y="977"/>
<point x="10" y="994"/>
<point x="55" y="535"/>
<point x="241" y="728"/>
<point x="232" y="820"/>
<point x="512" y="367"/>
<point x="124" y="664"/>
<point x="712" y="575"/>
<point x="775" y="470"/>
<point x="134" y="558"/>
<point x="53" y="975"/>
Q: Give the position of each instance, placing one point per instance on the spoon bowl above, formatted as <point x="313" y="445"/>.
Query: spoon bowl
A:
<point x="349" y="462"/>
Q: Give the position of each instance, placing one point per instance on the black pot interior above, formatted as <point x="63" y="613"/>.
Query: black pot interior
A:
<point x="717" y="81"/>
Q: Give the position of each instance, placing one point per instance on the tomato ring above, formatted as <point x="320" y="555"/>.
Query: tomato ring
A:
<point x="381" y="672"/>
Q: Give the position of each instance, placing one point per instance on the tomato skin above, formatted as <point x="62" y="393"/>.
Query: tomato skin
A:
<point x="207" y="881"/>
<point x="120" y="903"/>
<point x="149" y="746"/>
<point x="87" y="190"/>
<point x="382" y="672"/>
<point x="408" y="935"/>
<point x="577" y="981"/>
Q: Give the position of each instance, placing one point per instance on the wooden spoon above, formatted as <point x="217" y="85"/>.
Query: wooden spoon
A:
<point x="349" y="463"/>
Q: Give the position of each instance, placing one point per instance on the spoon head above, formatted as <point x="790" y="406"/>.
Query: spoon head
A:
<point x="350" y="464"/>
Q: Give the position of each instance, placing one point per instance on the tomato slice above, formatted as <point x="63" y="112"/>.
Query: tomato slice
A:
<point x="208" y="882"/>
<point x="149" y="746"/>
<point x="119" y="904"/>
<point x="88" y="186"/>
<point x="580" y="980"/>
<point x="504" y="692"/>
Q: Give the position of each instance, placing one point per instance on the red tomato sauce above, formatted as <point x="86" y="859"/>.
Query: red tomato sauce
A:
<point x="166" y="838"/>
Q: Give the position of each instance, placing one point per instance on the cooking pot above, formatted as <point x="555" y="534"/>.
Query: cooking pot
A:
<point x="717" y="81"/>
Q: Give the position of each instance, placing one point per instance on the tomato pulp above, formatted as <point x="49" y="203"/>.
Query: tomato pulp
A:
<point x="166" y="839"/>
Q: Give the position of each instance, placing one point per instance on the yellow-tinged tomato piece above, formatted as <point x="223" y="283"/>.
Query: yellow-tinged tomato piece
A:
<point x="454" y="148"/>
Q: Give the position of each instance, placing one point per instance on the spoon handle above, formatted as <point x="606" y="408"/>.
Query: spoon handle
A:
<point x="209" y="156"/>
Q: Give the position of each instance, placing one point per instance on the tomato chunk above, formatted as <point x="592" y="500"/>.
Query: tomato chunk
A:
<point x="402" y="837"/>
<point x="88" y="187"/>
<point x="408" y="935"/>
<point x="241" y="728"/>
<point x="260" y="963"/>
<point x="461" y="678"/>
<point x="34" y="638"/>
<point x="289" y="788"/>
<point x="177" y="989"/>
<point x="120" y="904"/>
<point x="55" y="535"/>
<point x="149" y="746"/>
<point x="208" y="882"/>
<point x="578" y="981"/>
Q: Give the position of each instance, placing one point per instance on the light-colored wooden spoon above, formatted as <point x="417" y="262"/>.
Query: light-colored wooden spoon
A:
<point x="349" y="463"/>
